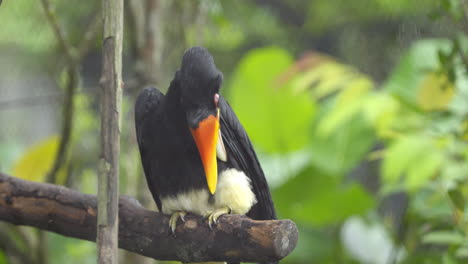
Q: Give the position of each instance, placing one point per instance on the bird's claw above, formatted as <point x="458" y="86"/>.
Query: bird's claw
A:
<point x="213" y="216"/>
<point x="174" y="218"/>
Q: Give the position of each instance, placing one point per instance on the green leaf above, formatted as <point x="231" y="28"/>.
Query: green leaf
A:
<point x="276" y="118"/>
<point x="443" y="238"/>
<point x="37" y="161"/>
<point x="344" y="148"/>
<point x="401" y="155"/>
<point x="414" y="157"/>
<point x="348" y="103"/>
<point x="381" y="110"/>
<point x="325" y="78"/>
<point x="435" y="92"/>
<point x="457" y="198"/>
<point x="318" y="199"/>
<point x="421" y="171"/>
<point x="406" y="79"/>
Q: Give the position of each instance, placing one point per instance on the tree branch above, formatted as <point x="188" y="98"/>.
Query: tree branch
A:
<point x="70" y="213"/>
<point x="70" y="88"/>
<point x="58" y="32"/>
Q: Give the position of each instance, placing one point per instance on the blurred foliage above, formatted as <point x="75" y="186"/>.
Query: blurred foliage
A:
<point x="348" y="103"/>
<point x="287" y="115"/>
<point x="37" y="161"/>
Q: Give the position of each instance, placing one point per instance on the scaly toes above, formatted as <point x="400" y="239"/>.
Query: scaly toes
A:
<point x="213" y="216"/>
<point x="174" y="218"/>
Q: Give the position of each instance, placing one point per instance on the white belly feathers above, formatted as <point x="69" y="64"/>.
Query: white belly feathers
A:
<point x="233" y="190"/>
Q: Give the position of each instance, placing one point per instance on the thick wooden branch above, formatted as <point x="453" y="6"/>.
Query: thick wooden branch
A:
<point x="70" y="213"/>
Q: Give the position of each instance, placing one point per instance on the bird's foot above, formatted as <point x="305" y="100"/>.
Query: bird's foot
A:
<point x="213" y="216"/>
<point x="174" y="218"/>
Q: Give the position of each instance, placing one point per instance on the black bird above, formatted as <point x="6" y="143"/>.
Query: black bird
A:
<point x="195" y="153"/>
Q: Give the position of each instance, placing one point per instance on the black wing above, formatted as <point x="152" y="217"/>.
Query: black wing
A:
<point x="239" y="147"/>
<point x="146" y="105"/>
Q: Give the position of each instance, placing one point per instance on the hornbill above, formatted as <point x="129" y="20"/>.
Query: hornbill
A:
<point x="195" y="153"/>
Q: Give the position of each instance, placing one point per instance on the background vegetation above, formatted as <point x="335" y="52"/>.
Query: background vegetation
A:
<point x="357" y="109"/>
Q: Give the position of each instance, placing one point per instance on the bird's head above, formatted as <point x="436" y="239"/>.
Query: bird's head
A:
<point x="199" y="81"/>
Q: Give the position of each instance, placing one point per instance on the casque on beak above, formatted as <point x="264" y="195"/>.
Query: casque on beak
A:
<point x="206" y="137"/>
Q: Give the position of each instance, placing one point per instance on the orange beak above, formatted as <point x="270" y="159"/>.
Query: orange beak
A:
<point x="206" y="137"/>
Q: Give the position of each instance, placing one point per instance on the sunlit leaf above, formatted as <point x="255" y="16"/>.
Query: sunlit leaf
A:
<point x="276" y="118"/>
<point x="401" y="155"/>
<point x="381" y="111"/>
<point x="325" y="78"/>
<point x="347" y="104"/>
<point x="407" y="77"/>
<point x="436" y="92"/>
<point x="443" y="238"/>
<point x="423" y="169"/>
<point x="37" y="160"/>
<point x="412" y="161"/>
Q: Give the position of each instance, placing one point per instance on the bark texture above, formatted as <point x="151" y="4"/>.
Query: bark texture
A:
<point x="111" y="97"/>
<point x="70" y="213"/>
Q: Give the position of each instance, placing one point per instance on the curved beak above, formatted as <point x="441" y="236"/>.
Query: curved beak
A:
<point x="206" y="138"/>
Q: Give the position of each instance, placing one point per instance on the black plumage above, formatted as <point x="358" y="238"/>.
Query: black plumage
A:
<point x="240" y="149"/>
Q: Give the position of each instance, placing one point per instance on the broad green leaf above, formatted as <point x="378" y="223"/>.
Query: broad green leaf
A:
<point x="407" y="77"/>
<point x="318" y="199"/>
<point x="414" y="157"/>
<point x="435" y="92"/>
<point x="37" y="160"/>
<point x="431" y="203"/>
<point x="276" y="118"/>
<point x="342" y="149"/>
<point x="325" y="78"/>
<point x="311" y="78"/>
<point x="425" y="167"/>
<point x="401" y="155"/>
<point x="323" y="75"/>
<point x="443" y="238"/>
<point x="457" y="198"/>
<point x="381" y="111"/>
<point x="348" y="103"/>
<point x="337" y="205"/>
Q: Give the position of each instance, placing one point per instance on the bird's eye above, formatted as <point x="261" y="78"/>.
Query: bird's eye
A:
<point x="216" y="99"/>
